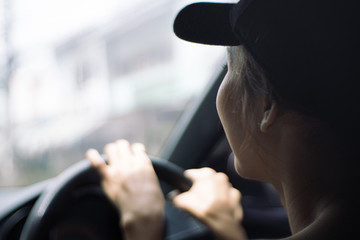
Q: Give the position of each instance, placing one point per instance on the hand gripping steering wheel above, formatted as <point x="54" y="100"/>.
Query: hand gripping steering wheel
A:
<point x="57" y="197"/>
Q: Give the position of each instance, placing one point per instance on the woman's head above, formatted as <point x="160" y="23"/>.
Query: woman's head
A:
<point x="300" y="56"/>
<point x="308" y="50"/>
<point x="259" y="125"/>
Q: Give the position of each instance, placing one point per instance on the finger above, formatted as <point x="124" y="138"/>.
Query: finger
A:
<point x="239" y="213"/>
<point x="95" y="159"/>
<point x="235" y="197"/>
<point x="189" y="203"/>
<point x="125" y="154"/>
<point x="183" y="201"/>
<point x="140" y="153"/>
<point x="196" y="174"/>
<point x="138" y="147"/>
<point x="111" y="153"/>
<point x="222" y="177"/>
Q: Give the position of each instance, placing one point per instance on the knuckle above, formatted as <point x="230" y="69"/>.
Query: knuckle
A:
<point x="109" y="147"/>
<point x="222" y="177"/>
<point x="204" y="212"/>
<point x="139" y="144"/>
<point x="239" y="214"/>
<point x="208" y="171"/>
<point x="90" y="152"/>
<point x="138" y="147"/>
<point x="209" y="210"/>
<point x="122" y="142"/>
<point x="236" y="193"/>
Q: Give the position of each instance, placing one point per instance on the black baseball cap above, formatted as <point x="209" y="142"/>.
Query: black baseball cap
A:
<point x="308" y="49"/>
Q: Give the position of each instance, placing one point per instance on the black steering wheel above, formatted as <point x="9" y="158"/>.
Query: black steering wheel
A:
<point x="60" y="193"/>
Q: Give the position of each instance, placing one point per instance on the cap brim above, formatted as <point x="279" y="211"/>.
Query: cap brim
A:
<point x="206" y="23"/>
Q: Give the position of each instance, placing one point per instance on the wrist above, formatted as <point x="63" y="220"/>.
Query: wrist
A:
<point x="146" y="226"/>
<point x="226" y="227"/>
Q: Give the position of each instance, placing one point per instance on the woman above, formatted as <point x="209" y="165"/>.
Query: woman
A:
<point x="288" y="105"/>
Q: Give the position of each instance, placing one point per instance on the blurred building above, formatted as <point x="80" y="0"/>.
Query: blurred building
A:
<point x="129" y="78"/>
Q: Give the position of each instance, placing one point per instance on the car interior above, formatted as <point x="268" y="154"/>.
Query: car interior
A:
<point x="73" y="206"/>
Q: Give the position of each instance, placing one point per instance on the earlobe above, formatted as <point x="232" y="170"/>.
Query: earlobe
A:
<point x="269" y="117"/>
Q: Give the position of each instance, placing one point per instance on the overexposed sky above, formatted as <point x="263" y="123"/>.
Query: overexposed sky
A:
<point x="36" y="23"/>
<point x="41" y="22"/>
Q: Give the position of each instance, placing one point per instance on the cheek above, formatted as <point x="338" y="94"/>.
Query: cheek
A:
<point x="229" y="107"/>
<point x="221" y="98"/>
<point x="226" y="104"/>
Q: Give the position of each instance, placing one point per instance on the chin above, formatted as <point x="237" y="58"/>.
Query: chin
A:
<point x="247" y="172"/>
<point x="240" y="168"/>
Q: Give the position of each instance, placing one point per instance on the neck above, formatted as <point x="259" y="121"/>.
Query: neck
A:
<point x="316" y="216"/>
<point x="310" y="182"/>
<point x="303" y="206"/>
<point x="311" y="171"/>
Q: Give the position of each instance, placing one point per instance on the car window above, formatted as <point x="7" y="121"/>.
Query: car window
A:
<point x="78" y="74"/>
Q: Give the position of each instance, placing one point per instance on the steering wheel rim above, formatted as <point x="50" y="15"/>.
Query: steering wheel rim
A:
<point x="57" y="196"/>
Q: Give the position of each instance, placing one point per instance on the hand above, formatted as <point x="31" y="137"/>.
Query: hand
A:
<point x="214" y="202"/>
<point x="130" y="182"/>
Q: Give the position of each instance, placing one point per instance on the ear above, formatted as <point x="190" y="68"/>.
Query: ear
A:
<point x="269" y="117"/>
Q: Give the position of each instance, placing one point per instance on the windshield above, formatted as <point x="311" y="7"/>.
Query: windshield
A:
<point x="79" y="74"/>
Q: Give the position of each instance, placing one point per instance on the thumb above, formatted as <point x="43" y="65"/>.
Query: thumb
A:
<point x="186" y="202"/>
